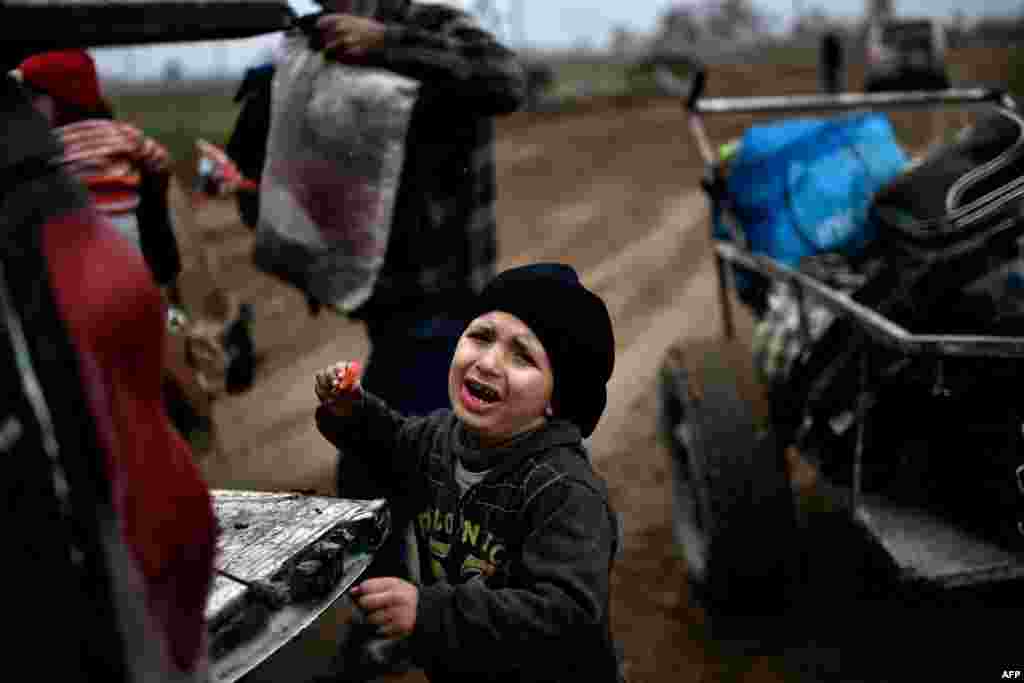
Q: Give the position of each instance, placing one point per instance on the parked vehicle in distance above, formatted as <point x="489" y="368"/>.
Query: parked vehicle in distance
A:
<point x="906" y="54"/>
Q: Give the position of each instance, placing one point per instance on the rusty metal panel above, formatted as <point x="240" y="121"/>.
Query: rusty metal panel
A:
<point x="282" y="560"/>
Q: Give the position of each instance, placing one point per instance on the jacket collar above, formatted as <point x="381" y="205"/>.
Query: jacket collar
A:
<point x="509" y="457"/>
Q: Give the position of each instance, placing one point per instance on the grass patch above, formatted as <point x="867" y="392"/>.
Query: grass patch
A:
<point x="588" y="78"/>
<point x="177" y="115"/>
<point x="1015" y="81"/>
<point x="790" y="54"/>
<point x="176" y="118"/>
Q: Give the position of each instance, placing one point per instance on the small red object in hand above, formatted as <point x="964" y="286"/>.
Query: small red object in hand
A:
<point x="346" y="376"/>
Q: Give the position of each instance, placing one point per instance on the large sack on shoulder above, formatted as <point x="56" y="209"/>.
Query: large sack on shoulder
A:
<point x="334" y="158"/>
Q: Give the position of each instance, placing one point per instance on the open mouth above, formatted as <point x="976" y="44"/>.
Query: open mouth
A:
<point x="481" y="391"/>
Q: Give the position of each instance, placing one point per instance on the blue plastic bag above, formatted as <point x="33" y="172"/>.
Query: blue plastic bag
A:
<point x="803" y="186"/>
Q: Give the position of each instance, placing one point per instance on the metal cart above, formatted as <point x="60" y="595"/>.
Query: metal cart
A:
<point x="745" y="504"/>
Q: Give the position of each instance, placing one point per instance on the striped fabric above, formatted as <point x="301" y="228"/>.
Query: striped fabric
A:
<point x="109" y="157"/>
<point x="778" y="341"/>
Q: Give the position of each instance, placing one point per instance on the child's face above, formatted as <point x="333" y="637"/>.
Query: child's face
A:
<point x="500" y="381"/>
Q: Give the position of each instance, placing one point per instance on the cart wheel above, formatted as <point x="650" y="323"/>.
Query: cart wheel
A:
<point x="734" y="514"/>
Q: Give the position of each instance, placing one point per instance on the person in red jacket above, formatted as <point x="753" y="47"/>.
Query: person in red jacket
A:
<point x="128" y="175"/>
<point x="111" y="531"/>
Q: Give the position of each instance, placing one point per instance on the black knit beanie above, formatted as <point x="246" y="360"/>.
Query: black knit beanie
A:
<point x="573" y="325"/>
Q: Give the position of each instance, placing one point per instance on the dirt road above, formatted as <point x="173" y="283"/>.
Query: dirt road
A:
<point x="612" y="192"/>
<point x="627" y="216"/>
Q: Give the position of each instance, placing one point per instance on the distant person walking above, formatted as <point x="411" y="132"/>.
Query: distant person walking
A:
<point x="831" y="66"/>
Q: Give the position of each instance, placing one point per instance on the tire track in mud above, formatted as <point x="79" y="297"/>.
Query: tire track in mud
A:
<point x="659" y="289"/>
<point x="610" y="190"/>
<point x="623" y="225"/>
<point x="280" y="448"/>
<point x="576" y="189"/>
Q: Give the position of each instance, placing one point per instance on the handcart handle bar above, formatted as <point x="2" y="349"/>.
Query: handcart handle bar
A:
<point x="844" y="101"/>
<point x="874" y="323"/>
<point x="692" y="89"/>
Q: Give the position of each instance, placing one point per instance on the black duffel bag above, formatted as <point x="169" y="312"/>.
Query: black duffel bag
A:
<point x="959" y="189"/>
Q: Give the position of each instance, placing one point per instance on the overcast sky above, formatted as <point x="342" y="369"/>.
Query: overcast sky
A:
<point x="546" y="23"/>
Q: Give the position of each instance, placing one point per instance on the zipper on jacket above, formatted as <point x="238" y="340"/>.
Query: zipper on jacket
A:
<point x="457" y="530"/>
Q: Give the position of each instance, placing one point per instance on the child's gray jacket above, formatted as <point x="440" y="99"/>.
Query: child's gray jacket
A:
<point x="515" y="570"/>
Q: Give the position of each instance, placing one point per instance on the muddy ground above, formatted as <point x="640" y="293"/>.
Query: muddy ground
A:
<point x="611" y="190"/>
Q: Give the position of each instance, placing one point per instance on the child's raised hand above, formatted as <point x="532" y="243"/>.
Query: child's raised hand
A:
<point x="390" y="604"/>
<point x="338" y="387"/>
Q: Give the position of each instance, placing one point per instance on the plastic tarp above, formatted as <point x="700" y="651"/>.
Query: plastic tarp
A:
<point x="803" y="186"/>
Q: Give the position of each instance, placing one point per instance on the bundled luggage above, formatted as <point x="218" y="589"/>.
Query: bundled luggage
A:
<point x="802" y="187"/>
<point x="947" y="231"/>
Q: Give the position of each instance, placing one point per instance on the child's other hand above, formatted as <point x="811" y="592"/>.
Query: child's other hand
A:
<point x="338" y="387"/>
<point x="390" y="604"/>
